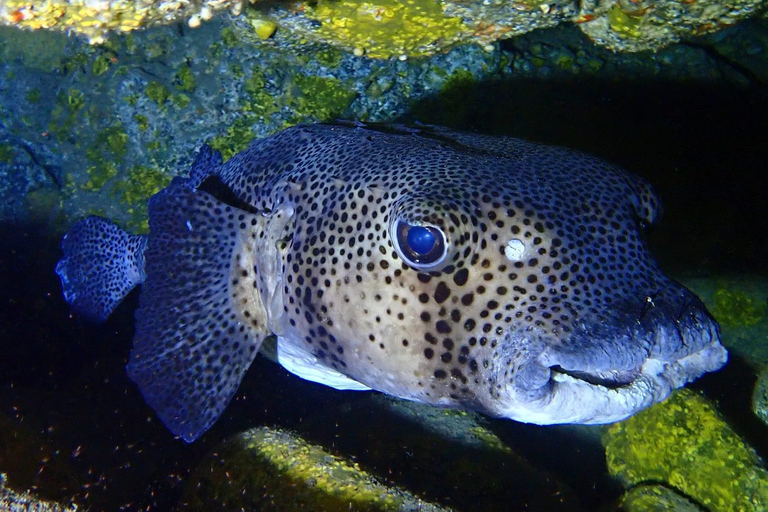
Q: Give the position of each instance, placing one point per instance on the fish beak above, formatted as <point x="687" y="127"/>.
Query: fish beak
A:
<point x="593" y="378"/>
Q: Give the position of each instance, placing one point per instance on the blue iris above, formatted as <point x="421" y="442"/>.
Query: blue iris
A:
<point x="422" y="247"/>
<point x="420" y="240"/>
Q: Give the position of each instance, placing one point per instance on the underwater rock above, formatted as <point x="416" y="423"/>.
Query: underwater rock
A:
<point x="13" y="501"/>
<point x="29" y="460"/>
<point x="95" y="19"/>
<point x="376" y="453"/>
<point x="760" y="396"/>
<point x="739" y="304"/>
<point x="268" y="469"/>
<point x="390" y="28"/>
<point x="637" y="25"/>
<point x="656" y="498"/>
<point x="685" y="444"/>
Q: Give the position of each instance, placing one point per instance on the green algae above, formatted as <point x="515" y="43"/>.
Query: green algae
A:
<point x="686" y="445"/>
<point x="734" y="308"/>
<point x="158" y="93"/>
<point x="99" y="175"/>
<point x="142" y="183"/>
<point x="229" y="38"/>
<point x="33" y="95"/>
<point x="627" y="25"/>
<point x="386" y="28"/>
<point x="180" y="100"/>
<point x="318" y="98"/>
<point x="290" y="474"/>
<point x="307" y="97"/>
<point x="107" y="150"/>
<point x="101" y="65"/>
<point x="185" y="79"/>
<point x="6" y="153"/>
<point x="237" y="137"/>
<point x="142" y="121"/>
<point x="65" y="112"/>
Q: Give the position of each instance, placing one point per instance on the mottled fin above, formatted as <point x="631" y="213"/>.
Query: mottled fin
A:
<point x="206" y="164"/>
<point x="201" y="320"/>
<point x="101" y="264"/>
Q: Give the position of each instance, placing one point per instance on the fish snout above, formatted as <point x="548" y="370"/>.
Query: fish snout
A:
<point x="609" y="365"/>
<point x="679" y="324"/>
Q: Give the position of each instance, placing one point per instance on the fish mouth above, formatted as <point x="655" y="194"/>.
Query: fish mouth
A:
<point x="612" y="379"/>
<point x="561" y="394"/>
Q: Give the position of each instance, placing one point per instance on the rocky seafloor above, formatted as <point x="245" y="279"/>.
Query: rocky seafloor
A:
<point x="99" y="128"/>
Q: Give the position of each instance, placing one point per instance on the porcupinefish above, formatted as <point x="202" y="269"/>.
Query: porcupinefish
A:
<point x="452" y="269"/>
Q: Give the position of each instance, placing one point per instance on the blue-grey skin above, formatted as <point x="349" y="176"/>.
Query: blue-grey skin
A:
<point x="452" y="269"/>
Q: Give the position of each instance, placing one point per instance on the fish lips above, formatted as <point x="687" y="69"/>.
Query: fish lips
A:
<point x="610" y="368"/>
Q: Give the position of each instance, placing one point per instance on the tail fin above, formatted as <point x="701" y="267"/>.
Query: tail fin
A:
<point x="101" y="264"/>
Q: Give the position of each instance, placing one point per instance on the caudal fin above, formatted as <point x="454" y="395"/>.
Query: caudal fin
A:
<point x="201" y="320"/>
<point x="101" y="264"/>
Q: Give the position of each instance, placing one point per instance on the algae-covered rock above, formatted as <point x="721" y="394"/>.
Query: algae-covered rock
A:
<point x="656" y="498"/>
<point x="760" y="396"/>
<point x="266" y="469"/>
<point x="96" y="18"/>
<point x="686" y="445"/>
<point x="13" y="501"/>
<point x="739" y="304"/>
<point x="734" y="308"/>
<point x="390" y="28"/>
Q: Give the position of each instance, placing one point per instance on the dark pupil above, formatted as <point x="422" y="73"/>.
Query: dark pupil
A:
<point x="420" y="244"/>
<point x="420" y="240"/>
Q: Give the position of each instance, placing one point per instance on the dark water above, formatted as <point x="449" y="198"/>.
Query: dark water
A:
<point x="78" y="428"/>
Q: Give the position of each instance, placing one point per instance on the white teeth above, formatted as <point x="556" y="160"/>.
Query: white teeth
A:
<point x="514" y="249"/>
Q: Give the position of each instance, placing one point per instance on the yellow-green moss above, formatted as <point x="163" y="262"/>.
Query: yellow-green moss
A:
<point x="141" y="183"/>
<point x="6" y="153"/>
<point x="318" y="98"/>
<point x="329" y="57"/>
<point x="157" y="92"/>
<point x="290" y="475"/>
<point x="308" y="98"/>
<point x="185" y="80"/>
<point x="75" y="99"/>
<point x="237" y="137"/>
<point x="109" y="147"/>
<point x="229" y="38"/>
<point x="131" y="99"/>
<point x="33" y="95"/>
<point x="64" y="113"/>
<point x="180" y="100"/>
<point x="489" y="439"/>
<point x="99" y="175"/>
<point x="386" y="28"/>
<point x="142" y="121"/>
<point x="625" y="24"/>
<point x="81" y="17"/>
<point x="112" y="140"/>
<point x="100" y="65"/>
<point x="735" y="308"/>
<point x="685" y="444"/>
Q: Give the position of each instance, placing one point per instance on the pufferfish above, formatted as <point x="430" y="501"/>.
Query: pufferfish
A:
<point x="453" y="269"/>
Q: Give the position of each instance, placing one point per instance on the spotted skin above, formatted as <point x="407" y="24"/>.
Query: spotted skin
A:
<point x="581" y="326"/>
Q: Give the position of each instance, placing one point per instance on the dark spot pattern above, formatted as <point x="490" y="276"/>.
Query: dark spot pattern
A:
<point x="582" y="242"/>
<point x="440" y="334"/>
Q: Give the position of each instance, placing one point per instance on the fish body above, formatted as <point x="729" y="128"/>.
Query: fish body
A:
<point x="452" y="269"/>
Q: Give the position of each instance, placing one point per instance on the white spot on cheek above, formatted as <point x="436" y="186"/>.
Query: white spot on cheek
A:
<point x="514" y="249"/>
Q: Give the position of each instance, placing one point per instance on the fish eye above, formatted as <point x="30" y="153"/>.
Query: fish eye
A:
<point x="422" y="247"/>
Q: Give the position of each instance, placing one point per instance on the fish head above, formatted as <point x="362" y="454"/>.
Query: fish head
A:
<point x="541" y="301"/>
<point x="505" y="277"/>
